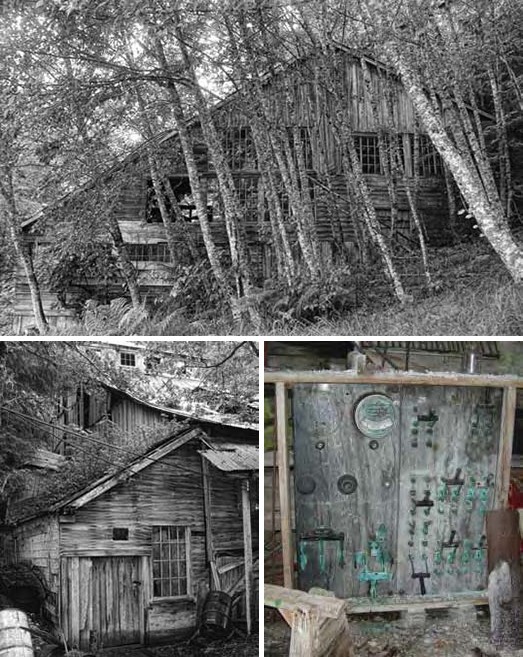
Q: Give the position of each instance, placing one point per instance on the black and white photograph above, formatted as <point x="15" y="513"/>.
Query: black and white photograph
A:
<point x="128" y="499"/>
<point x="261" y="167"/>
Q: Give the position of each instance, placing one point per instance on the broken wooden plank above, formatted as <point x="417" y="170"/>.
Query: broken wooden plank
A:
<point x="284" y="485"/>
<point x="280" y="597"/>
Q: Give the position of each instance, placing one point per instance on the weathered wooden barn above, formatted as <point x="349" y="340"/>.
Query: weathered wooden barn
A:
<point x="383" y="473"/>
<point x="130" y="558"/>
<point x="311" y="111"/>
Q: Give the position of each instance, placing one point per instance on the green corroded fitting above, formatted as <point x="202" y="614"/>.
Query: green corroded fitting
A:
<point x="437" y="557"/>
<point x="302" y="558"/>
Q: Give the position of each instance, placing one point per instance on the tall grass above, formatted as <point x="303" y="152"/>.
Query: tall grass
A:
<point x="472" y="295"/>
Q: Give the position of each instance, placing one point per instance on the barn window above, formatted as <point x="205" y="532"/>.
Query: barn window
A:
<point x="120" y="533"/>
<point x="127" y="359"/>
<point x="305" y="144"/>
<point x="171" y="553"/>
<point x="368" y="152"/>
<point x="429" y="160"/>
<point x="149" y="252"/>
<point x="239" y="148"/>
<point x="182" y="191"/>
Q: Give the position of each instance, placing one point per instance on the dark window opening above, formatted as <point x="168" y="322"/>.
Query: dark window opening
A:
<point x="368" y="152"/>
<point x="127" y="359"/>
<point x="305" y="145"/>
<point x="120" y="533"/>
<point x="429" y="160"/>
<point x="149" y="252"/>
<point x="181" y="188"/>
<point x="239" y="149"/>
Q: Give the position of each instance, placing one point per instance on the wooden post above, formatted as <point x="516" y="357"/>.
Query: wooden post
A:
<point x="283" y="486"/>
<point x="508" y="414"/>
<point x="208" y="523"/>
<point x="247" y="551"/>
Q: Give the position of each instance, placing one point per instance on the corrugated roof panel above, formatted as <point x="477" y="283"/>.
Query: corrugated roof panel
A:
<point x="233" y="457"/>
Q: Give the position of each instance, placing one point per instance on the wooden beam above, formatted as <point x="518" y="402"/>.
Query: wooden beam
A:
<point x="247" y="550"/>
<point x="292" y="600"/>
<point x="508" y="416"/>
<point x="107" y="483"/>
<point x="207" y="509"/>
<point x="283" y="485"/>
<point x="291" y="377"/>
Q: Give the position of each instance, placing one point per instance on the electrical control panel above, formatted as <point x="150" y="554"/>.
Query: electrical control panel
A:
<point x="392" y="485"/>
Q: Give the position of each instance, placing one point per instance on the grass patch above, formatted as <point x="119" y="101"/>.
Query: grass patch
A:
<point x="472" y="295"/>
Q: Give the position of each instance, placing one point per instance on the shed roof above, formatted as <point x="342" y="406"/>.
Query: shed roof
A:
<point x="232" y="457"/>
<point x="207" y="417"/>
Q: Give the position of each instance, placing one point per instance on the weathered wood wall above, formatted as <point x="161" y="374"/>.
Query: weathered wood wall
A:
<point x="37" y="542"/>
<point x="128" y="415"/>
<point x="411" y="463"/>
<point x="166" y="493"/>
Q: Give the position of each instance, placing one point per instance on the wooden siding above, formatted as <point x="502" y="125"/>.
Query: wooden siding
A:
<point x="227" y="531"/>
<point x="37" y="542"/>
<point x="166" y="493"/>
<point x="128" y="415"/>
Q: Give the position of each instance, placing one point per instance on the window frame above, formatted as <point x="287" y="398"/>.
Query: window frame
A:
<point x="127" y="354"/>
<point x="188" y="578"/>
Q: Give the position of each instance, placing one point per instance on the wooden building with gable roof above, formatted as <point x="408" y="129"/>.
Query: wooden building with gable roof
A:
<point x="129" y="559"/>
<point x="299" y="101"/>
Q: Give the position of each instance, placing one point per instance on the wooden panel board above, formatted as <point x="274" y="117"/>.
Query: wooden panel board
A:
<point x="464" y="438"/>
<point x="328" y="446"/>
<point x="441" y="453"/>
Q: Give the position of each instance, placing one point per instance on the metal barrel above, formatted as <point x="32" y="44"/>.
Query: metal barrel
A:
<point x="15" y="639"/>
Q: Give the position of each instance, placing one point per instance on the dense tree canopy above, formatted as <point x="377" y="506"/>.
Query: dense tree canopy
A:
<point x="39" y="380"/>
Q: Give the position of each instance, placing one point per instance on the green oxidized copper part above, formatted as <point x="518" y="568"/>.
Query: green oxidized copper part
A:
<point x="302" y="561"/>
<point x="322" y="560"/>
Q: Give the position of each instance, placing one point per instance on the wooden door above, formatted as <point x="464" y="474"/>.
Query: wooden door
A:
<point x="102" y="601"/>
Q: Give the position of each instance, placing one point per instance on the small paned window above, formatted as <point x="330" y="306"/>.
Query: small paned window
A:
<point x="170" y="546"/>
<point x="120" y="533"/>
<point x="368" y="152"/>
<point x="305" y="145"/>
<point x="149" y="252"/>
<point x="239" y="148"/>
<point x="429" y="160"/>
<point x="247" y="189"/>
<point x="127" y="359"/>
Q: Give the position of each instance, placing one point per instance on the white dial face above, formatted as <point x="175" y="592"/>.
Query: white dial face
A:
<point x="374" y="415"/>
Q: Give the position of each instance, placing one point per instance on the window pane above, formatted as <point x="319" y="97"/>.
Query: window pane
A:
<point x="169" y="561"/>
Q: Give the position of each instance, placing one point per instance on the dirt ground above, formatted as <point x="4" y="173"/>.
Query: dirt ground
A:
<point x="441" y="635"/>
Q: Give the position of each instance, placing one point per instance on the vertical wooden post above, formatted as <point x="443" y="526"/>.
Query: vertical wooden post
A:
<point x="283" y="486"/>
<point x="247" y="551"/>
<point x="207" y="508"/>
<point x="508" y="414"/>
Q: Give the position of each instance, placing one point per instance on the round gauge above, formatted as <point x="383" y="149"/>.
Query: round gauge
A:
<point x="374" y="415"/>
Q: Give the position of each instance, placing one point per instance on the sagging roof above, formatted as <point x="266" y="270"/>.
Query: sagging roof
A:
<point x="232" y="457"/>
<point x="227" y="457"/>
